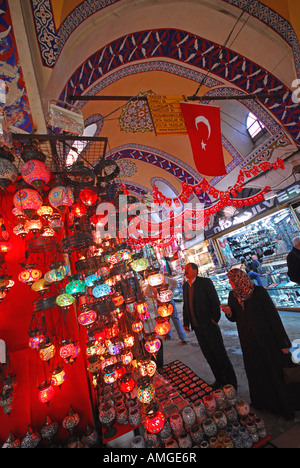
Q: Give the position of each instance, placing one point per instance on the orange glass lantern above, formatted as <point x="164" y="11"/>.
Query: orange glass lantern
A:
<point x="143" y="310"/>
<point x="118" y="299"/>
<point x="146" y="367"/>
<point x="100" y="335"/>
<point x="29" y="276"/>
<point x="152" y="344"/>
<point x="112" y="330"/>
<point x="79" y="210"/>
<point x="47" y="351"/>
<point x="126" y="357"/>
<point x="58" y="376"/>
<point x="45" y="211"/>
<point x="128" y="340"/>
<point x="162" y="326"/>
<point x="137" y="326"/>
<point x="46" y="392"/>
<point x="165" y="310"/>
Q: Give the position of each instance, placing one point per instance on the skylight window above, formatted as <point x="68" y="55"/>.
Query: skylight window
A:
<point x="254" y="126"/>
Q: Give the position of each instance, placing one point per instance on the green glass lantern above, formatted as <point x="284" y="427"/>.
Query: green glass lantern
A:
<point x="75" y="287"/>
<point x="65" y="300"/>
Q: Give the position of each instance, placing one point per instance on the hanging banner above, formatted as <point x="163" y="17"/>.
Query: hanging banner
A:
<point x="166" y="114"/>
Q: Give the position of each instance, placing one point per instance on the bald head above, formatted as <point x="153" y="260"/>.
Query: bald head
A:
<point x="296" y="242"/>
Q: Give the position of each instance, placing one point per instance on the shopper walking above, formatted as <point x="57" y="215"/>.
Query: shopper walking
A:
<point x="293" y="262"/>
<point x="281" y="246"/>
<point x="201" y="313"/>
<point x="254" y="275"/>
<point x="265" y="345"/>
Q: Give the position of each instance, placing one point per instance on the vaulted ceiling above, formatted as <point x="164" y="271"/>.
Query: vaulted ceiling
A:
<point x="54" y="49"/>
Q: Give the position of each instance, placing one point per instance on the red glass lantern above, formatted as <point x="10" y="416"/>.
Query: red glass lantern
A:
<point x="100" y="335"/>
<point x="58" y="376"/>
<point x="126" y="357"/>
<point x="46" y="392"/>
<point x="120" y="370"/>
<point x="127" y="383"/>
<point x="162" y="326"/>
<point x="137" y="326"/>
<point x="36" y="337"/>
<point x="143" y="310"/>
<point x="87" y="318"/>
<point x="112" y="330"/>
<point x="36" y="173"/>
<point x="155" y="420"/>
<point x="88" y="196"/>
<point x="29" y="276"/>
<point x="79" y="210"/>
<point x="69" y="351"/>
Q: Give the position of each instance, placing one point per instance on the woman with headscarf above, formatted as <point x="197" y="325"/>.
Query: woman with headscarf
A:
<point x="265" y="345"/>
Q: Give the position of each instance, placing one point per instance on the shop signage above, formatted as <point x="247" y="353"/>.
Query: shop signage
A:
<point x="166" y="114"/>
<point x="283" y="197"/>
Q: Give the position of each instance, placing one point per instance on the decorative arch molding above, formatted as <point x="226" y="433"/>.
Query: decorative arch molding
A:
<point x="51" y="40"/>
<point x="186" y="48"/>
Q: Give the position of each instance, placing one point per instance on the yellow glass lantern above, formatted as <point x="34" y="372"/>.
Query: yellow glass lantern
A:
<point x="58" y="376"/>
<point x="165" y="310"/>
<point x="162" y="326"/>
<point x="155" y="280"/>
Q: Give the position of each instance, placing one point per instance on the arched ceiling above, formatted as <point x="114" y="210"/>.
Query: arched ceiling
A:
<point x="124" y="47"/>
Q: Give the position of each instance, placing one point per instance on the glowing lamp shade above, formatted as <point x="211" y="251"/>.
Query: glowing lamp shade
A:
<point x="48" y="232"/>
<point x="47" y="351"/>
<point x="36" y="173"/>
<point x="110" y="376"/>
<point x="56" y="274"/>
<point x="88" y="196"/>
<point x="33" y="225"/>
<point x="146" y="391"/>
<point x="20" y="230"/>
<point x="27" y="200"/>
<point x="128" y="340"/>
<point x="61" y="197"/>
<point x="46" y="392"/>
<point x="36" y="337"/>
<point x="29" y="276"/>
<point x="146" y="367"/>
<point x="9" y="173"/>
<point x="79" y="210"/>
<point x="126" y="357"/>
<point x="156" y="280"/>
<point x="143" y="310"/>
<point x="152" y="345"/>
<point x="75" y="287"/>
<point x="58" y="376"/>
<point x="154" y="421"/>
<point x="91" y="280"/>
<point x="87" y="318"/>
<point x="69" y="352"/>
<point x="165" y="296"/>
<point x="65" y="300"/>
<point x="127" y="383"/>
<point x="115" y="348"/>
<point x="165" y="310"/>
<point x="100" y="335"/>
<point x="140" y="265"/>
<point x="45" y="211"/>
<point x="118" y="299"/>
<point x="101" y="290"/>
<point x="162" y="326"/>
<point x="120" y="369"/>
<point x="40" y="285"/>
<point x="137" y="326"/>
<point x="104" y="272"/>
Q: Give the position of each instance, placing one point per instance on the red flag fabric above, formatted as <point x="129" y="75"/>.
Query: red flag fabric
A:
<point x="203" y="123"/>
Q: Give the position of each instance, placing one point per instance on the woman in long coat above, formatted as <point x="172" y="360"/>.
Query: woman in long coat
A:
<point x="265" y="345"/>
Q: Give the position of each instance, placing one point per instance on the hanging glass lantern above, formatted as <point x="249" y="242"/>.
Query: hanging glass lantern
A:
<point x="58" y="376"/>
<point x="71" y="421"/>
<point x="60" y="198"/>
<point x="100" y="335"/>
<point x="9" y="172"/>
<point x="165" y="310"/>
<point x="69" y="351"/>
<point x="46" y="351"/>
<point x="165" y="295"/>
<point x="143" y="310"/>
<point x="20" y="231"/>
<point x="115" y="347"/>
<point x="128" y="340"/>
<point x="45" y="212"/>
<point x="36" y="338"/>
<point x="120" y="370"/>
<point x="33" y="225"/>
<point x="29" y="276"/>
<point x="87" y="317"/>
<point x="48" y="232"/>
<point x="111" y="330"/>
<point x="95" y="347"/>
<point x="88" y="196"/>
<point x="5" y="247"/>
<point x="28" y="201"/>
<point x="79" y="210"/>
<point x="118" y="299"/>
<point x="162" y="326"/>
<point x="104" y="272"/>
<point x="110" y="375"/>
<point x="75" y="287"/>
<point x="65" y="300"/>
<point x="155" y="420"/>
<point x="91" y="280"/>
<point x="152" y="344"/>
<point x="101" y="290"/>
<point x="156" y="279"/>
<point x="126" y="356"/>
<point x="140" y="265"/>
<point x="137" y="326"/>
<point x="146" y="367"/>
<point x="146" y="390"/>
<point x="127" y="383"/>
<point x="56" y="274"/>
<point x="36" y="173"/>
<point x="46" y="392"/>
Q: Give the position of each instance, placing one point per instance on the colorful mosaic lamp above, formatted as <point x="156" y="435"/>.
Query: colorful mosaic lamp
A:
<point x="127" y="383"/>
<point x="146" y="391"/>
<point x="29" y="276"/>
<point x="155" y="420"/>
<point x="36" y="173"/>
<point x="27" y="201"/>
<point x="69" y="351"/>
<point x="58" y="376"/>
<point x="162" y="326"/>
<point x="46" y="392"/>
<point x="60" y="198"/>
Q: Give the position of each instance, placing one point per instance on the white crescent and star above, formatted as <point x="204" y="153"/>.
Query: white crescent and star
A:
<point x="202" y="119"/>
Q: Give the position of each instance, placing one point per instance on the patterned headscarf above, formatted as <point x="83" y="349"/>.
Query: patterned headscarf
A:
<point x="244" y="287"/>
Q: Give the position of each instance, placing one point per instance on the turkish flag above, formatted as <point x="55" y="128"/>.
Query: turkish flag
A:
<point x="203" y="123"/>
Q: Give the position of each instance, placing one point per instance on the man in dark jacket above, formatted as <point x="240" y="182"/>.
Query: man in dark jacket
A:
<point x="201" y="312"/>
<point x="293" y="262"/>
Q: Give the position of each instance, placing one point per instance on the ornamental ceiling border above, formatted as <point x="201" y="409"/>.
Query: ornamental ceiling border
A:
<point x="165" y="43"/>
<point x="52" y="41"/>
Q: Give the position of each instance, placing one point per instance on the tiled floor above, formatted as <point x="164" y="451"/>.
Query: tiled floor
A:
<point x="283" y="433"/>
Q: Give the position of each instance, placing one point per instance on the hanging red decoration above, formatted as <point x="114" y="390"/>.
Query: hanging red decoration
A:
<point x="79" y="210"/>
<point x="46" y="392"/>
<point x="155" y="420"/>
<point x="88" y="196"/>
<point x="127" y="383"/>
